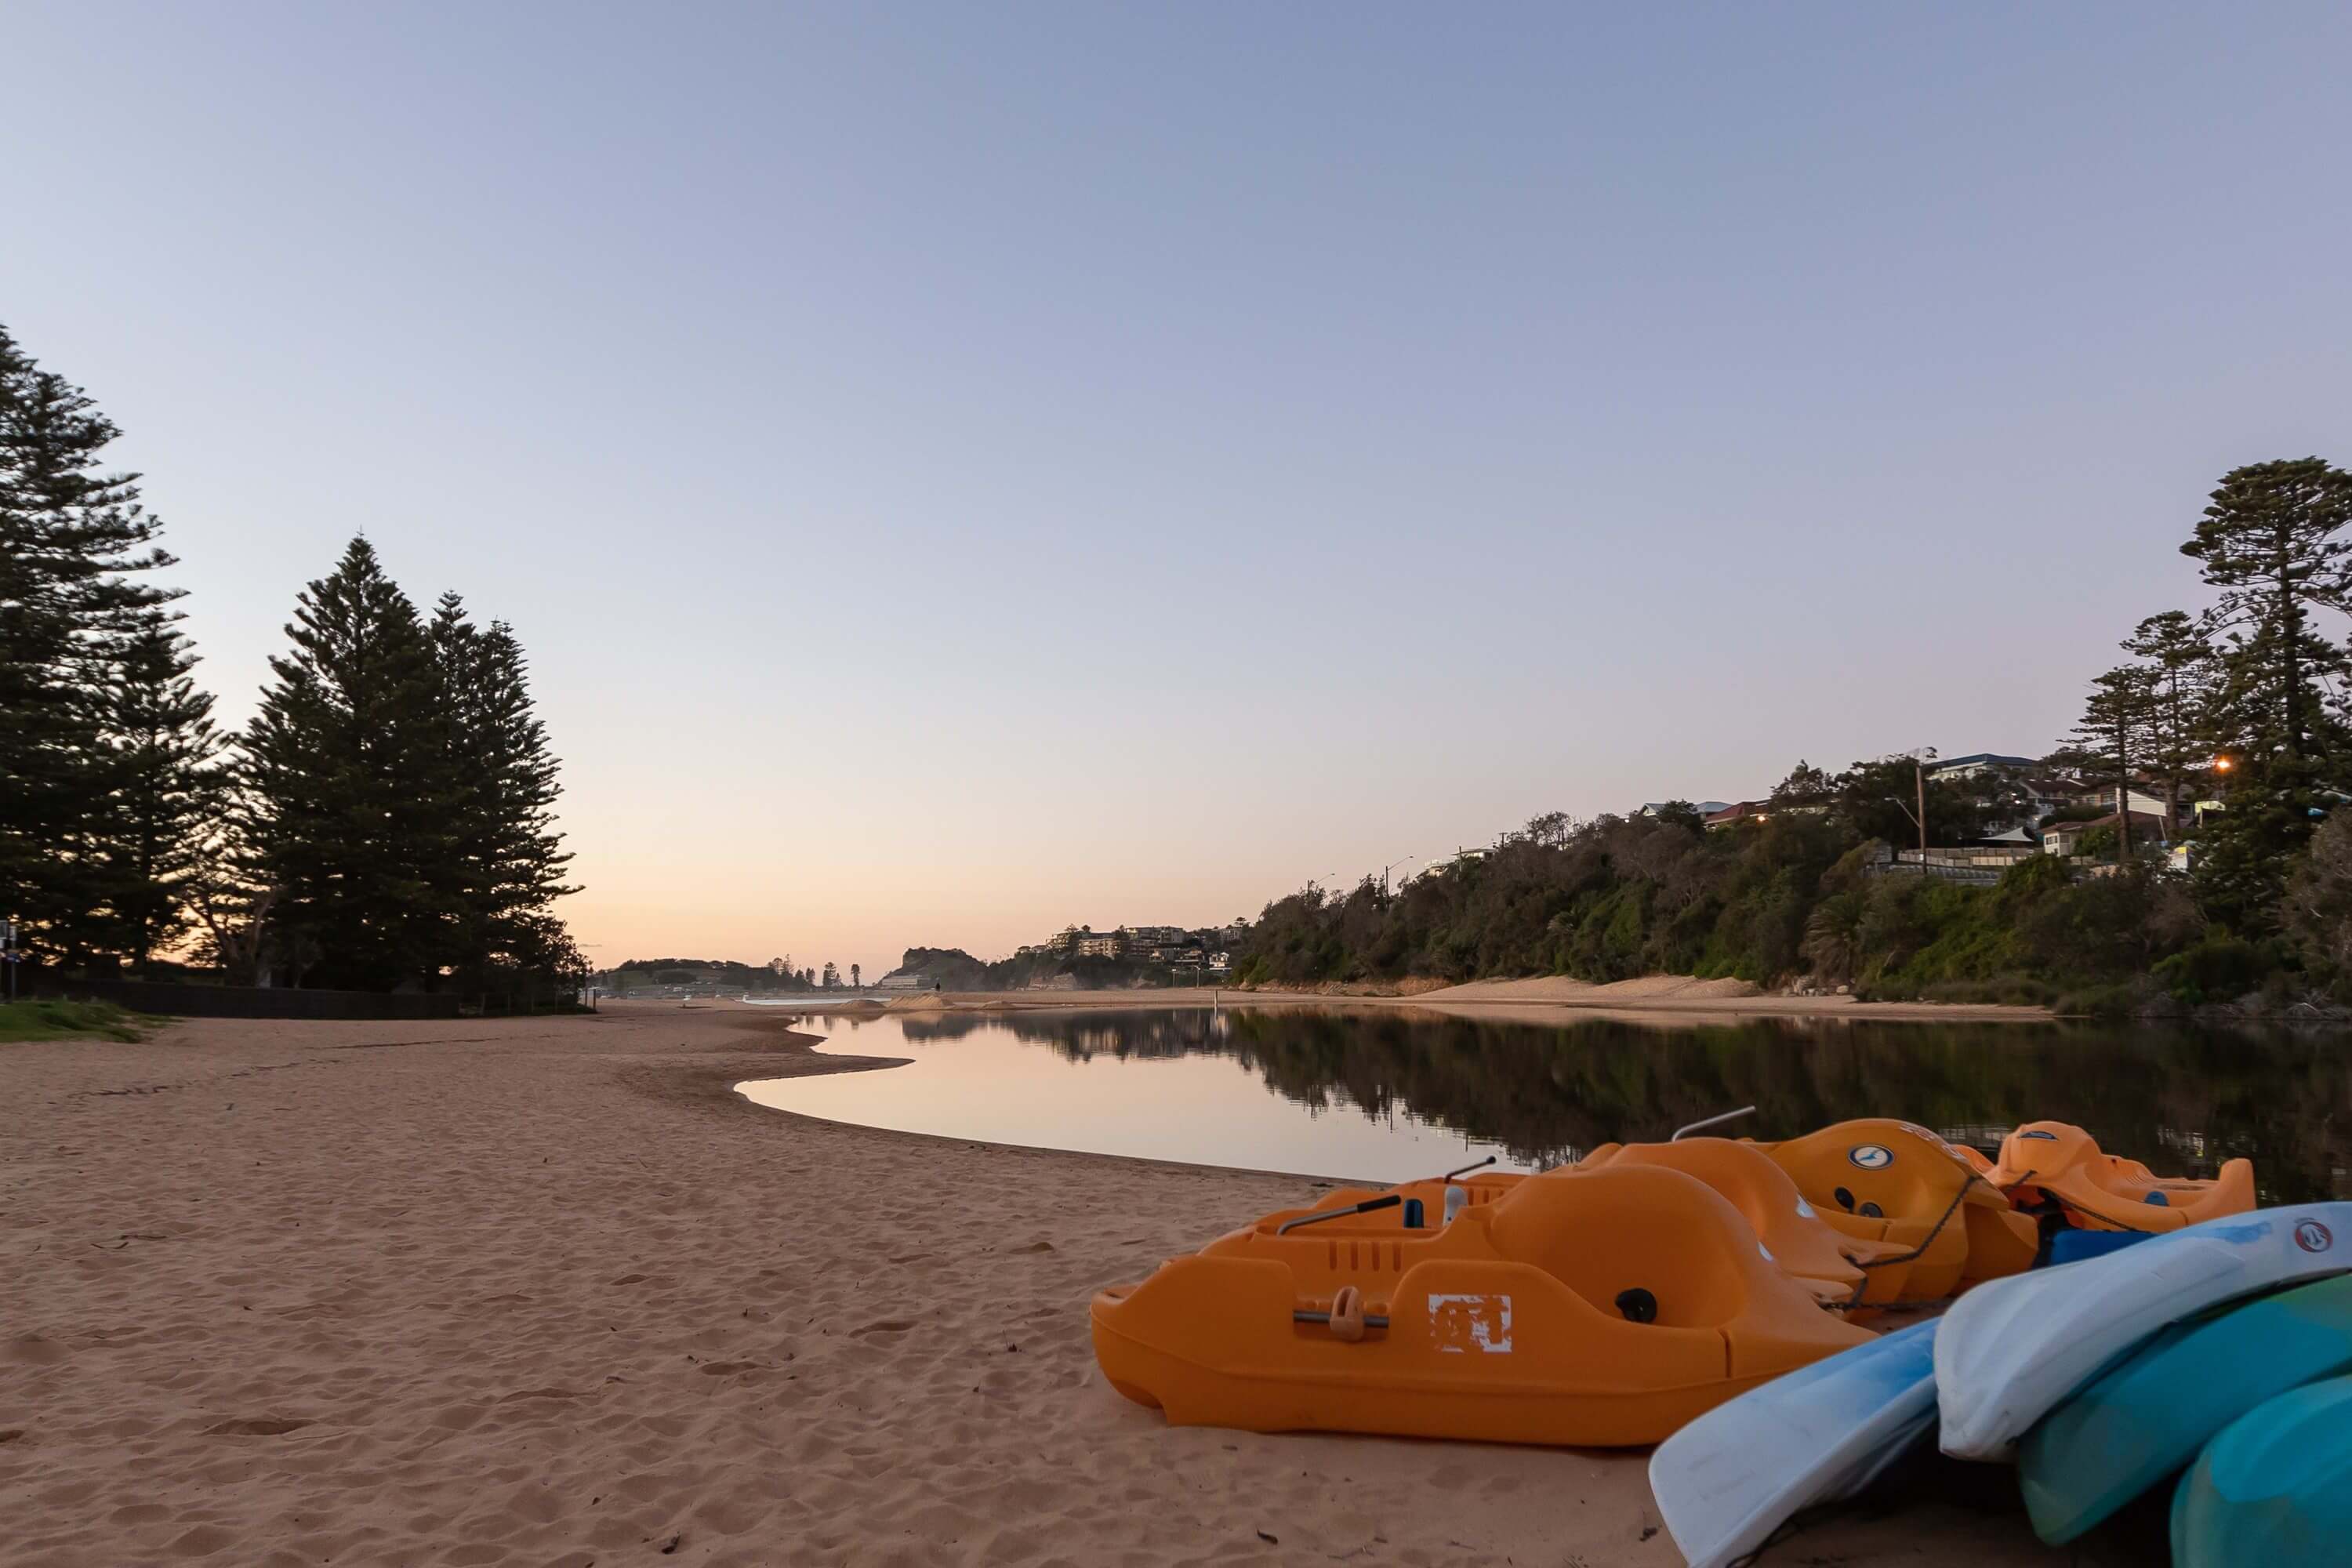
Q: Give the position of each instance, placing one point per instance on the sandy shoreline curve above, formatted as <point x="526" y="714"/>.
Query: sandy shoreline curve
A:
<point x="1670" y="1000"/>
<point x="549" y="1292"/>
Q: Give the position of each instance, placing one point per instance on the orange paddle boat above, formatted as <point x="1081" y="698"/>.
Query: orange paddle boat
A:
<point x="1885" y="1180"/>
<point x="2055" y="1168"/>
<point x="1592" y="1308"/>
<point x="1831" y="1263"/>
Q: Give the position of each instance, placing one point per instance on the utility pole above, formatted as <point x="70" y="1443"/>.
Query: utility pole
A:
<point x="1919" y="760"/>
<point x="8" y="954"/>
<point x="1919" y="778"/>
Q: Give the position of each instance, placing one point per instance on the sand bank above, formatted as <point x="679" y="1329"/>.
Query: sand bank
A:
<point x="1667" y="1000"/>
<point x="550" y="1294"/>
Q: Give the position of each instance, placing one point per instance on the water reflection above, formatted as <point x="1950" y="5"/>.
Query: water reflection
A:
<point x="2182" y="1100"/>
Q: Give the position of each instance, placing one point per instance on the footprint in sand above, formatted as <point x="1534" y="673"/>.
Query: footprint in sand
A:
<point x="257" y="1426"/>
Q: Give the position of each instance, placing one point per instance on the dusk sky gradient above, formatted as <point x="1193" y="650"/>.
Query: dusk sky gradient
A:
<point x="960" y="470"/>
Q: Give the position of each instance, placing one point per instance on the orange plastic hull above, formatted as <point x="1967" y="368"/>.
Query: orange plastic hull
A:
<point x="2045" y="1164"/>
<point x="1519" y="1322"/>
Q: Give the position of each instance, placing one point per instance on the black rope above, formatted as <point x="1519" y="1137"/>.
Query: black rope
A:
<point x="2066" y="1202"/>
<point x="1942" y="1220"/>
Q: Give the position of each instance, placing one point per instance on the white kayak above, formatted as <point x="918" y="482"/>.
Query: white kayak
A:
<point x="2014" y="1349"/>
<point x="1818" y="1435"/>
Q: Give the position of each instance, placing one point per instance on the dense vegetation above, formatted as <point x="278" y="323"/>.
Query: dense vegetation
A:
<point x="58" y="1020"/>
<point x="954" y="969"/>
<point x="1802" y="892"/>
<point x="385" y="819"/>
<point x="723" y="973"/>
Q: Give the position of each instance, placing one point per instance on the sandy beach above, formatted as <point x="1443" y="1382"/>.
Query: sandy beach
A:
<point x="1667" y="1000"/>
<point x="548" y="1292"/>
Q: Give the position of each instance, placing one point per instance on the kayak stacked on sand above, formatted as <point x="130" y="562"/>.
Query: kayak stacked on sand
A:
<point x="2223" y="1346"/>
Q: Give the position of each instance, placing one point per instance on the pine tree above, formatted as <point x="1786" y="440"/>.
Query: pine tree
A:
<point x="466" y="877"/>
<point x="348" y="765"/>
<point x="162" y="796"/>
<point x="2178" y="655"/>
<point x="2271" y="541"/>
<point x="71" y="536"/>
<point x="509" y="858"/>
<point x="2117" y="718"/>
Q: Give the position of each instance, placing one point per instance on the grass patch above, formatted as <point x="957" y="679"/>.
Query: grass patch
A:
<point x="51" y="1020"/>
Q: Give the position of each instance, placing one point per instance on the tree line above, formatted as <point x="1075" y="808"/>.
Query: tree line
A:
<point x="385" y="819"/>
<point x="2236" y="720"/>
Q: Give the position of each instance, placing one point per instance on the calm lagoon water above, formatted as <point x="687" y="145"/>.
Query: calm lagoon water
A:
<point x="1390" y="1095"/>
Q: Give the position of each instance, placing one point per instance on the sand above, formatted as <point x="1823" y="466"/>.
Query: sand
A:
<point x="1666" y="1000"/>
<point x="548" y="1292"/>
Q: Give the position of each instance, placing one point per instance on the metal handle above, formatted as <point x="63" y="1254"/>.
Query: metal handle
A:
<point x="1389" y="1201"/>
<point x="1468" y="1169"/>
<point x="1712" y="1122"/>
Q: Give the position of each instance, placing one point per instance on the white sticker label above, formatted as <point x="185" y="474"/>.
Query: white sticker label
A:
<point x="1460" y="1325"/>
<point x="1871" y="1156"/>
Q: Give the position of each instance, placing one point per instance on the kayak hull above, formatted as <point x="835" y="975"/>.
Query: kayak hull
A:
<point x="1818" y="1435"/>
<point x="2012" y="1350"/>
<point x="2142" y="1422"/>
<point x="2274" y="1489"/>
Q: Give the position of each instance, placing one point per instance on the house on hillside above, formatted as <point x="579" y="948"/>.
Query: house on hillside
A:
<point x="1737" y="812"/>
<point x="1454" y="861"/>
<point x="904" y="980"/>
<point x="2066" y="838"/>
<point x="1952" y="769"/>
<point x="1704" y="808"/>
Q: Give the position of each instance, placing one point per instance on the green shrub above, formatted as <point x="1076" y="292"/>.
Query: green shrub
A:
<point x="2007" y="990"/>
<point x="2219" y="968"/>
<point x="53" y="1020"/>
<point x="2097" y="1002"/>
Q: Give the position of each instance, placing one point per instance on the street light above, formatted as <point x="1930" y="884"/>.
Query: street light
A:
<point x="1391" y="867"/>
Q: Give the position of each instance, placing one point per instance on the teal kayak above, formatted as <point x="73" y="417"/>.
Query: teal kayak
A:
<point x="2275" y="1489"/>
<point x="2144" y="1420"/>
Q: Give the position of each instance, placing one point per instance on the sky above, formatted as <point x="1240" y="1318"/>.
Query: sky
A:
<point x="962" y="470"/>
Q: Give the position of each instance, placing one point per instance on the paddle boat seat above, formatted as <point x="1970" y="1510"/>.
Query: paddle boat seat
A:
<point x="1602" y="1307"/>
<point x="1887" y="1181"/>
<point x="1800" y="1240"/>
<point x="2054" y="1167"/>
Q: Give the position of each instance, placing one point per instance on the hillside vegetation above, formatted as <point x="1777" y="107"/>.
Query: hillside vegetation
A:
<point x="2237" y="720"/>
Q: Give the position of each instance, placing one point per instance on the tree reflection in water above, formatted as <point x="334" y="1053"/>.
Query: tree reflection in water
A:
<point x="2182" y="1100"/>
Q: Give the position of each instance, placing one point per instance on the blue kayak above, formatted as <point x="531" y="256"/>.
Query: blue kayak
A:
<point x="2275" y="1489"/>
<point x="2144" y="1420"/>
